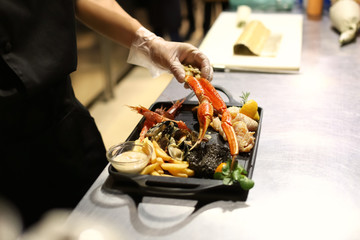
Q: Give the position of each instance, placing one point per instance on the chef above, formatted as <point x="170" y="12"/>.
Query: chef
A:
<point x="50" y="148"/>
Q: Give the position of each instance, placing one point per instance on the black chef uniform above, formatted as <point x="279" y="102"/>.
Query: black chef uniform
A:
<point x="50" y="148"/>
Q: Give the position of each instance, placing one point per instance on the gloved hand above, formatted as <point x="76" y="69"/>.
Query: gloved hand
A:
<point x="158" y="55"/>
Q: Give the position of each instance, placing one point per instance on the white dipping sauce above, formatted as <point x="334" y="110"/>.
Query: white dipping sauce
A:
<point x="130" y="162"/>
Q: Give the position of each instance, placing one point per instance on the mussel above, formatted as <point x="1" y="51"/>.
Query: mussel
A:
<point x="175" y="141"/>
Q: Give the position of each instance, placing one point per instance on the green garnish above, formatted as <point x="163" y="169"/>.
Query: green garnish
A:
<point x="244" y="97"/>
<point x="238" y="174"/>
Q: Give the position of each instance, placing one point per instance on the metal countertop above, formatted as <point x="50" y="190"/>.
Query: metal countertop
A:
<point x="308" y="162"/>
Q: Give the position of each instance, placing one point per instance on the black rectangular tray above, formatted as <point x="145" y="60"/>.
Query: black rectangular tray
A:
<point x="137" y="185"/>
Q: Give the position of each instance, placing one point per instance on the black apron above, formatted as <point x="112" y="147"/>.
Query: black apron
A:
<point x="50" y="148"/>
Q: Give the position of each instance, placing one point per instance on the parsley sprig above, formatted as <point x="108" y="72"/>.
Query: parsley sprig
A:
<point x="238" y="174"/>
<point x="244" y="97"/>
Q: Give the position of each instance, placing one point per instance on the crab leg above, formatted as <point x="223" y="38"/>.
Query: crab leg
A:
<point x="170" y="113"/>
<point x="221" y="107"/>
<point x="205" y="109"/>
<point x="147" y="125"/>
<point x="207" y="95"/>
<point x="157" y="118"/>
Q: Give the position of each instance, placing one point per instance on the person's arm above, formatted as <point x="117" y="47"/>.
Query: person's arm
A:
<point x="109" y="19"/>
<point x="146" y="49"/>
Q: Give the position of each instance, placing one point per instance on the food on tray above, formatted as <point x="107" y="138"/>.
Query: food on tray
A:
<point x="155" y="117"/>
<point x="242" y="120"/>
<point x="244" y="128"/>
<point x="245" y="138"/>
<point x="205" y="159"/>
<point x="237" y="116"/>
<point x="182" y="152"/>
<point x="210" y="99"/>
<point x="175" y="155"/>
<point x="164" y="165"/>
<point x="250" y="107"/>
<point x="175" y="141"/>
<point x="238" y="174"/>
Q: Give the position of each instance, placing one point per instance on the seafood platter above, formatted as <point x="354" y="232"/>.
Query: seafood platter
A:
<point x="202" y="149"/>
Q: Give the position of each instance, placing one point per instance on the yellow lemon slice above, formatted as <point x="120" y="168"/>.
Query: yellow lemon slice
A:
<point x="249" y="108"/>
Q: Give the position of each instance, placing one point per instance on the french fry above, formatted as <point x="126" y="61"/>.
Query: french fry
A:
<point x="159" y="169"/>
<point x="153" y="161"/>
<point x="173" y="166"/>
<point x="189" y="172"/>
<point x="147" y="146"/>
<point x="166" y="175"/>
<point x="149" y="168"/>
<point x="137" y="148"/>
<point x="174" y="172"/>
<point x="179" y="174"/>
<point x="159" y="160"/>
<point x="161" y="164"/>
<point x="176" y="161"/>
<point x="160" y="152"/>
<point x="153" y="155"/>
<point x="155" y="173"/>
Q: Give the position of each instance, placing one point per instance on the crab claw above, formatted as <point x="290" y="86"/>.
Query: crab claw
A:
<point x="204" y="115"/>
<point x="230" y="135"/>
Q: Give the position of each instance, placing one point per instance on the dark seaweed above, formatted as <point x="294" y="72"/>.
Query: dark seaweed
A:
<point x="205" y="159"/>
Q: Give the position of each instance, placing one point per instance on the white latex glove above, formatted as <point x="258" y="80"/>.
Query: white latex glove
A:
<point x="158" y="55"/>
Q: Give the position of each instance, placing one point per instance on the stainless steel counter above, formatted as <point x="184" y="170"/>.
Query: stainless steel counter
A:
<point x="307" y="169"/>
